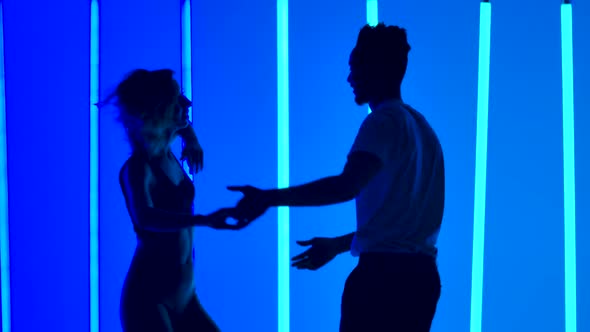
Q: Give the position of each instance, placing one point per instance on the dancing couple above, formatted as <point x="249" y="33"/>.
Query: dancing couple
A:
<point x="394" y="171"/>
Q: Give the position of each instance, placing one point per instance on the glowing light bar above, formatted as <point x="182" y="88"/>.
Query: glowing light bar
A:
<point x="94" y="99"/>
<point x="372" y="17"/>
<point x="186" y="61"/>
<point x="283" y="162"/>
<point x="569" y="176"/>
<point x="372" y="12"/>
<point x="4" y="237"/>
<point x="479" y="209"/>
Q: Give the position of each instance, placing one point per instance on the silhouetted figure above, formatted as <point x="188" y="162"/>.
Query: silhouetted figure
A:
<point x="395" y="170"/>
<point x="159" y="293"/>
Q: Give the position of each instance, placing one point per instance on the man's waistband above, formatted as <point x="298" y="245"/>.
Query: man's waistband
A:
<point x="394" y="258"/>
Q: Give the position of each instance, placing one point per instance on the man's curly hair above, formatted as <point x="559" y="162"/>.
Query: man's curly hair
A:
<point x="381" y="52"/>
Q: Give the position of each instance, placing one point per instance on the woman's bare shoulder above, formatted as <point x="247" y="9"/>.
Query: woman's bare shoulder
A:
<point x="135" y="169"/>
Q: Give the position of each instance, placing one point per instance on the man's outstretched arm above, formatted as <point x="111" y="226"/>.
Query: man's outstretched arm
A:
<point x="373" y="145"/>
<point x="360" y="168"/>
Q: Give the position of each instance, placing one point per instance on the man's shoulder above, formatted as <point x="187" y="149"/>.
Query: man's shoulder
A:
<point x="394" y="118"/>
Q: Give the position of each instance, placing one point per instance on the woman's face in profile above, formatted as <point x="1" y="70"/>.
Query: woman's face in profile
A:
<point x="180" y="116"/>
<point x="176" y="117"/>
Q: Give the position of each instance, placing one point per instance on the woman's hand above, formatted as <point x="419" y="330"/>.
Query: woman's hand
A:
<point x="192" y="152"/>
<point x="219" y="220"/>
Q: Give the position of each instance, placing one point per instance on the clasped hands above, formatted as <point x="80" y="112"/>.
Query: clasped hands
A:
<point x="253" y="204"/>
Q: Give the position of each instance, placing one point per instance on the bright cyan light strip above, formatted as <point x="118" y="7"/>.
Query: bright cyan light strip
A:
<point x="94" y="99"/>
<point x="4" y="237"/>
<point x="372" y="12"/>
<point x="187" y="68"/>
<point x="283" y="162"/>
<point x="479" y="213"/>
<point x="569" y="178"/>
<point x="372" y="16"/>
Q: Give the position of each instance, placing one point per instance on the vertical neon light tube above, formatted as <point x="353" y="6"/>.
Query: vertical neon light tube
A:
<point x="569" y="177"/>
<point x="479" y="209"/>
<point x="4" y="238"/>
<point x="187" y="68"/>
<point x="372" y="17"/>
<point x="372" y="12"/>
<point x="94" y="99"/>
<point x="283" y="162"/>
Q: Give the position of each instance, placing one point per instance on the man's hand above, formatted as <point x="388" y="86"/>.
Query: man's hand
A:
<point x="322" y="251"/>
<point x="253" y="205"/>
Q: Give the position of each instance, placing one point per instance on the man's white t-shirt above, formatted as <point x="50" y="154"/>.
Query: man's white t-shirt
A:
<point x="401" y="209"/>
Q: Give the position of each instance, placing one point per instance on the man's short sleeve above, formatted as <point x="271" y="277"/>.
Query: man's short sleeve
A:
<point x="379" y="134"/>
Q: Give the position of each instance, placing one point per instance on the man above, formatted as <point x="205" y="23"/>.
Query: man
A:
<point x="395" y="170"/>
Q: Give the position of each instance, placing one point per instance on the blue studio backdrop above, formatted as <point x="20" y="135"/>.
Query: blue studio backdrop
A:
<point x="272" y="105"/>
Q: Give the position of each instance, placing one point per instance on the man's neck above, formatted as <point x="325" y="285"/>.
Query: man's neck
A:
<point x="375" y="103"/>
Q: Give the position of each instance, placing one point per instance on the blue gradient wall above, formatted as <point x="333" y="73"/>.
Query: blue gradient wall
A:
<point x="46" y="65"/>
<point x="235" y="107"/>
<point x="581" y="29"/>
<point x="234" y="68"/>
<point x="524" y="278"/>
<point x="323" y="123"/>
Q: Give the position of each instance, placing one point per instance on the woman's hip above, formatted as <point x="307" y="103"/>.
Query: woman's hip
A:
<point x="174" y="291"/>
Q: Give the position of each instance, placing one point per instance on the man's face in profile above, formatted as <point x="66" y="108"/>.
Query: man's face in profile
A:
<point x="358" y="80"/>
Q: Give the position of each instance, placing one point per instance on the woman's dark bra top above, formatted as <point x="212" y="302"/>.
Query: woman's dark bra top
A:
<point x="169" y="246"/>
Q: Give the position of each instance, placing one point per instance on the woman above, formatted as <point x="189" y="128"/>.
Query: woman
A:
<point x="158" y="294"/>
